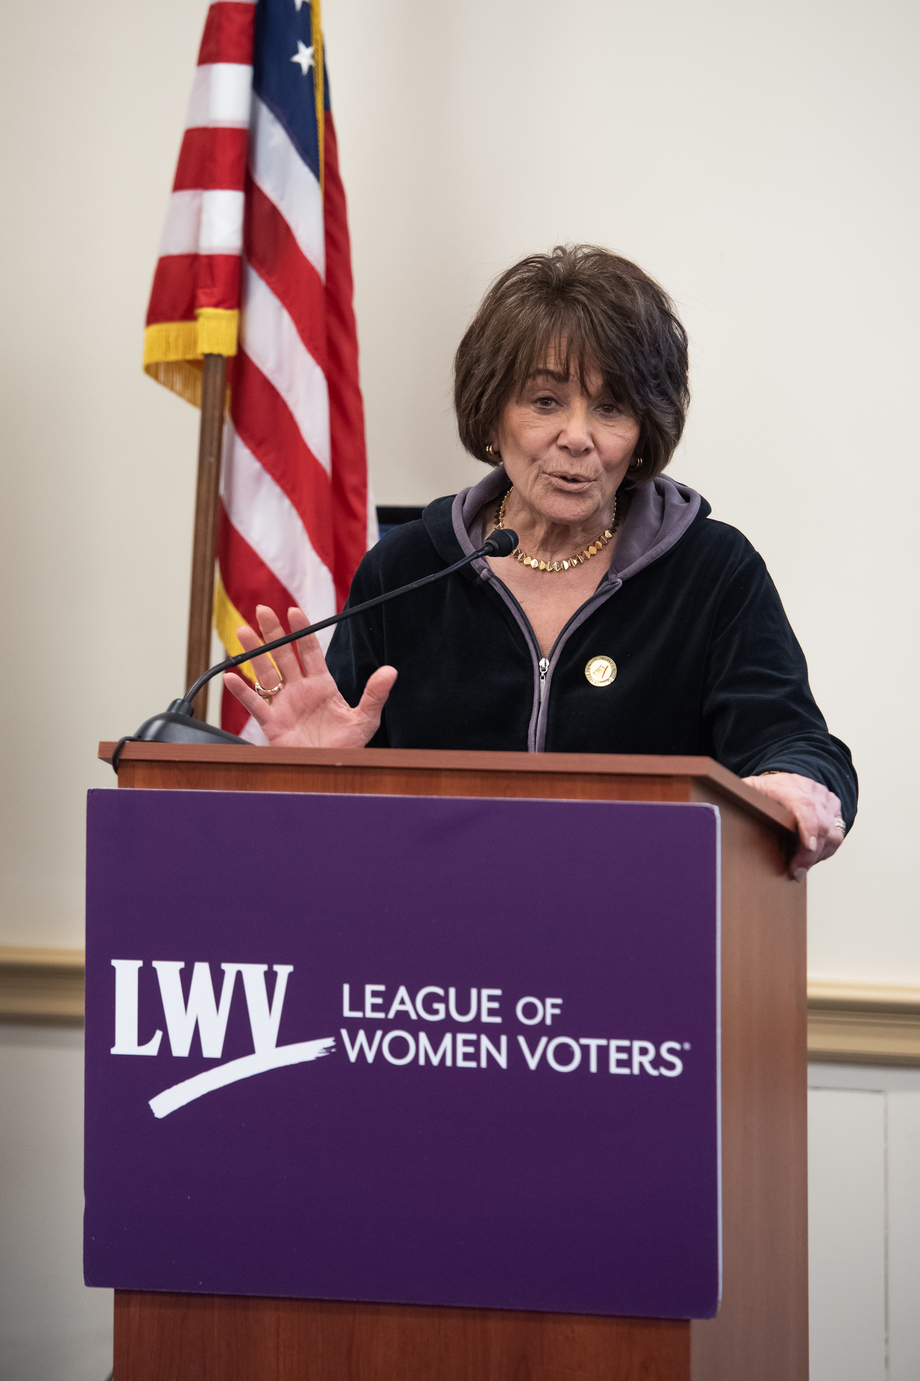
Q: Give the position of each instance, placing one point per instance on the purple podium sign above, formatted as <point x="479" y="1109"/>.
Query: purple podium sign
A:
<point x="407" y="1049"/>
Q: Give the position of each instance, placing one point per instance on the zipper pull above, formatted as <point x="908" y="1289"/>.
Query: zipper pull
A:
<point x="544" y="668"/>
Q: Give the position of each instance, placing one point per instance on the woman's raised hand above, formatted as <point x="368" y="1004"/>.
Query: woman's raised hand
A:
<point x="308" y="712"/>
<point x="816" y="811"/>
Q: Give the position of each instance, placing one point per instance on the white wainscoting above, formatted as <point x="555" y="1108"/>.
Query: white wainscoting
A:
<point x="864" y="1223"/>
<point x="52" y="1328"/>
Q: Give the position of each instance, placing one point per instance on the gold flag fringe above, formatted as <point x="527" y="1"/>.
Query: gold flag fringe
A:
<point x="227" y="619"/>
<point x="217" y="331"/>
<point x="173" y="349"/>
<point x="179" y="376"/>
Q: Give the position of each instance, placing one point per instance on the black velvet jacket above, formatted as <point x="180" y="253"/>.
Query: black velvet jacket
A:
<point x="706" y="660"/>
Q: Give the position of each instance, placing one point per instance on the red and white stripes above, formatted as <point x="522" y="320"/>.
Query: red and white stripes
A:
<point x="198" y="268"/>
<point x="254" y="235"/>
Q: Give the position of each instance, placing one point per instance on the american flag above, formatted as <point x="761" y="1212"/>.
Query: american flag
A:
<point x="256" y="238"/>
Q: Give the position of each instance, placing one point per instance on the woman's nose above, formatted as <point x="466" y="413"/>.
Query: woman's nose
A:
<point x="575" y="436"/>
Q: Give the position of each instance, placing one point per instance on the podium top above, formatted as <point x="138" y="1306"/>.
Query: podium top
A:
<point x="704" y="772"/>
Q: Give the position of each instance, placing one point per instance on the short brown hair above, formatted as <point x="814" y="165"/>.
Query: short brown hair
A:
<point x="590" y="309"/>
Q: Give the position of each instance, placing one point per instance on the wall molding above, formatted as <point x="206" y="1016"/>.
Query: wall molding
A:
<point x="41" y="985"/>
<point x="848" y="1023"/>
<point x="863" y="1023"/>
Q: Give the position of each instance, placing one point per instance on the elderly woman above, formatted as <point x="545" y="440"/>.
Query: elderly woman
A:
<point x="627" y="621"/>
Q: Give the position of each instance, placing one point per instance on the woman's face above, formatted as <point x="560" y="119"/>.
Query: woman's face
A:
<point x="564" y="448"/>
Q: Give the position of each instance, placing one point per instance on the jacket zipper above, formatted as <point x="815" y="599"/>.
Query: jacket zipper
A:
<point x="542" y="662"/>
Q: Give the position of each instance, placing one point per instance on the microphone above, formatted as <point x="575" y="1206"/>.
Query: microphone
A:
<point x="502" y="542"/>
<point x="177" y="725"/>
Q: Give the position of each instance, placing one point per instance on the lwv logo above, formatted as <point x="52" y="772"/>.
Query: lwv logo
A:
<point x="210" y="1016"/>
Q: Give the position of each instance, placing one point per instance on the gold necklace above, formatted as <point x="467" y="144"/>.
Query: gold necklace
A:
<point x="570" y="562"/>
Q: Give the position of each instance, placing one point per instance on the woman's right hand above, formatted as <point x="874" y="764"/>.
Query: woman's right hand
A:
<point x="308" y="712"/>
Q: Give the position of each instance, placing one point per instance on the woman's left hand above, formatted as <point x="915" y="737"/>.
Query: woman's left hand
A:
<point x="817" y="815"/>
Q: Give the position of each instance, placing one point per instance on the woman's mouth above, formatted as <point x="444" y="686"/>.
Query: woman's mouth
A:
<point x="571" y="481"/>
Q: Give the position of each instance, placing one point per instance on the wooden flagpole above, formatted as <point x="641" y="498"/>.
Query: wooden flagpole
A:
<point x="201" y="603"/>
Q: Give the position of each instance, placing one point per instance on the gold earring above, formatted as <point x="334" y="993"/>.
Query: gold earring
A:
<point x="490" y="451"/>
<point x="638" y="461"/>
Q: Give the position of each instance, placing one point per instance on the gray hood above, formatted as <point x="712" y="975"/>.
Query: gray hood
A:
<point x="658" y="517"/>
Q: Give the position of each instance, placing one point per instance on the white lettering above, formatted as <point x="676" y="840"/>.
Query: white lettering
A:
<point x="231" y="1071"/>
<point x="553" y="1008"/>
<point x="264" y="1021"/>
<point x="126" y="1040"/>
<point x="677" y="1064"/>
<point x="434" y="1056"/>
<point x="370" y="1002"/>
<point x="551" y="1054"/>
<point x="486" y="1048"/>
<point x="592" y="1042"/>
<point x="201" y="1010"/>
<point x="465" y="1046"/>
<point x="616" y="1057"/>
<point x="401" y="1035"/>
<point x="361" y="1044"/>
<point x="487" y="1003"/>
<point x="452" y="1003"/>
<point x="437" y="1008"/>
<point x="519" y="1011"/>
<point x="534" y="1059"/>
<point x="346" y="1002"/>
<point x="402" y="1002"/>
<point x="643" y="1052"/>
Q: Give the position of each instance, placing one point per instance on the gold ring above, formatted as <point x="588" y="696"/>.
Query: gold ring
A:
<point x="840" y="825"/>
<point x="268" y="694"/>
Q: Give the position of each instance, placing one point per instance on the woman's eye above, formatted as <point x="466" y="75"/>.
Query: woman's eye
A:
<point x="544" y="401"/>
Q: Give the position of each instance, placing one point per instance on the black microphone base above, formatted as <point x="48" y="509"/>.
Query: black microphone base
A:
<point x="181" y="728"/>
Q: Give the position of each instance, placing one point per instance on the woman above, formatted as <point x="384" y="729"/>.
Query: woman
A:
<point x="627" y="620"/>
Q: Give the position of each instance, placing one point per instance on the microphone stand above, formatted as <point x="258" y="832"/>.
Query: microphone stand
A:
<point x="176" y="724"/>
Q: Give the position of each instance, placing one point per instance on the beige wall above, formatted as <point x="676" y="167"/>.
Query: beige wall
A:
<point x="757" y="159"/>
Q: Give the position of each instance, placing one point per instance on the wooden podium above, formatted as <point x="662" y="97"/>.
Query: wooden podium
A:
<point x="761" y="1331"/>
